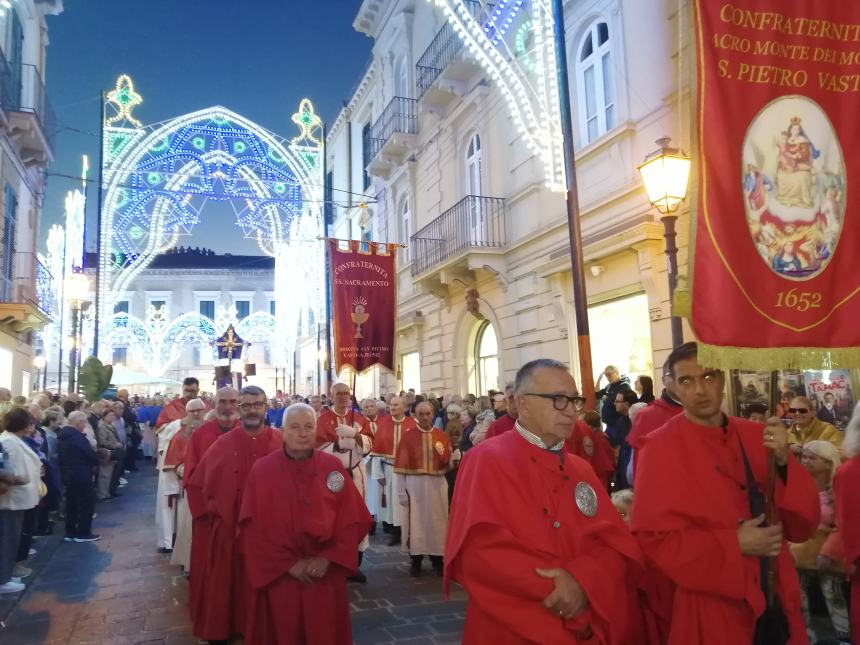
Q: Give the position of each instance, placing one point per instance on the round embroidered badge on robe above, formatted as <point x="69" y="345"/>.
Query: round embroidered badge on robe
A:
<point x="335" y="481"/>
<point x="586" y="499"/>
<point x="440" y="448"/>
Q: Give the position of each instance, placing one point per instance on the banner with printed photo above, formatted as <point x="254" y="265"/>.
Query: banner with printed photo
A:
<point x="773" y="264"/>
<point x="831" y="395"/>
<point x="364" y="303"/>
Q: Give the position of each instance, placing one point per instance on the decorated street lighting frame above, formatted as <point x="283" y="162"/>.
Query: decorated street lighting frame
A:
<point x="157" y="180"/>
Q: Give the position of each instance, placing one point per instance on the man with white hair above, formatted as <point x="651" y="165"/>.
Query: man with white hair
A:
<point x="77" y="462"/>
<point x="346" y="434"/>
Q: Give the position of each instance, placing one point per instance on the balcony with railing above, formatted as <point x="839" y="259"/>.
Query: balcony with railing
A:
<point x="25" y="105"/>
<point x="392" y="135"/>
<point x="442" y="70"/>
<point x="26" y="293"/>
<point x="468" y="236"/>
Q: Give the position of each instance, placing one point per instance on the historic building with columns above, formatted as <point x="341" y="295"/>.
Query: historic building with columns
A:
<point x="485" y="277"/>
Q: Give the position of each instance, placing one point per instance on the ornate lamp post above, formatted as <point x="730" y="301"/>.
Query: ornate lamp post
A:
<point x="77" y="289"/>
<point x="39" y="362"/>
<point x="665" y="174"/>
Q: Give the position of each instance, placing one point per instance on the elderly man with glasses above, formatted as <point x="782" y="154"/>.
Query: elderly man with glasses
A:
<point x="218" y="483"/>
<point x="807" y="427"/>
<point x="533" y="536"/>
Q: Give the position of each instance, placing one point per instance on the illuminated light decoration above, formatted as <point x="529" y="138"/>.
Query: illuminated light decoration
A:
<point x="124" y="99"/>
<point x="523" y="48"/>
<point x="501" y="19"/>
<point x="531" y="95"/>
<point x="273" y="185"/>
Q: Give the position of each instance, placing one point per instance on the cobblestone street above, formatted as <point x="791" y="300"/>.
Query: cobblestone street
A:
<point x="120" y="590"/>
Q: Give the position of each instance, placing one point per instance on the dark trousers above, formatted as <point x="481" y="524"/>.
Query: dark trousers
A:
<point x="118" y="470"/>
<point x="10" y="533"/>
<point x="80" y="504"/>
<point x="28" y="529"/>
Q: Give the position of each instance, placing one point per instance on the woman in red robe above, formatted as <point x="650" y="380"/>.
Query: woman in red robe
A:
<point x="301" y="521"/>
<point x="846" y="486"/>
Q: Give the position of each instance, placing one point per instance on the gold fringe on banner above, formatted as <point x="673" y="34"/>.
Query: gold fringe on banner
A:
<point x="761" y="359"/>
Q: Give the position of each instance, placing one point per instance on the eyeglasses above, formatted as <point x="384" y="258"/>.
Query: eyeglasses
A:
<point x="259" y="405"/>
<point x="559" y="401"/>
<point x="798" y="410"/>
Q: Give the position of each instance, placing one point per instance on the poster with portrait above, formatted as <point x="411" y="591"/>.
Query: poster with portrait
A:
<point x="754" y="387"/>
<point x="776" y="132"/>
<point x="831" y="395"/>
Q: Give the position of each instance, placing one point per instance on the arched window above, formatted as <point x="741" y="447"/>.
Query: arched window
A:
<point x="487" y="358"/>
<point x="474" y="167"/>
<point x="596" y="93"/>
<point x="401" y="81"/>
<point x="406" y="231"/>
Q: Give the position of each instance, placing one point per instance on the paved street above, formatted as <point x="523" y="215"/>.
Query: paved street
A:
<point x="119" y="590"/>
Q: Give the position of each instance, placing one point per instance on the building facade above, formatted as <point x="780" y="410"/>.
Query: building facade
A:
<point x="27" y="129"/>
<point x="485" y="276"/>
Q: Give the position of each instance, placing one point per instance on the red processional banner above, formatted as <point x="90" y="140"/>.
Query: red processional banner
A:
<point x="775" y="279"/>
<point x="364" y="297"/>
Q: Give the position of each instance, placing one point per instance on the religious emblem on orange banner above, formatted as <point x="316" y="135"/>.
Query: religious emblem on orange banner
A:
<point x="359" y="315"/>
<point x="586" y="499"/>
<point x="335" y="481"/>
<point x="440" y="448"/>
<point x="794" y="186"/>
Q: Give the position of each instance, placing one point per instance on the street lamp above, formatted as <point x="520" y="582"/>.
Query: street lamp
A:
<point x="39" y="362"/>
<point x="77" y="289"/>
<point x="665" y="174"/>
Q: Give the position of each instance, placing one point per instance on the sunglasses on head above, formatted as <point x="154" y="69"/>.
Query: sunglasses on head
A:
<point x="798" y="410"/>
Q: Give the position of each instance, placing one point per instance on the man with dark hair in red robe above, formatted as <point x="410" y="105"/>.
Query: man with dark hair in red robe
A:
<point x="692" y="512"/>
<point x="218" y="482"/>
<point x="658" y="412"/>
<point x="227" y="411"/>
<point x="300" y="524"/>
<point x="508" y="419"/>
<point x="589" y="442"/>
<point x="176" y="408"/>
<point x="533" y="536"/>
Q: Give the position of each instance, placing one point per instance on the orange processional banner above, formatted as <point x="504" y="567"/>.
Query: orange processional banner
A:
<point x="774" y="262"/>
<point x="364" y="303"/>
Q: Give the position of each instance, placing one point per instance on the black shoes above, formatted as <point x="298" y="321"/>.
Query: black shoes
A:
<point x="395" y="536"/>
<point x="164" y="549"/>
<point x="92" y="537"/>
<point x="438" y="566"/>
<point x="358" y="577"/>
<point x="415" y="569"/>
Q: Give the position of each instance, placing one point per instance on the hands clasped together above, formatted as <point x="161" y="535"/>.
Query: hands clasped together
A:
<point x="568" y="598"/>
<point x="309" y="570"/>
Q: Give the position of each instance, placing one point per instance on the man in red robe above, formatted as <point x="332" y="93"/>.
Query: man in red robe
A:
<point x="692" y="512"/>
<point x="846" y="489"/>
<point x="508" y="419"/>
<point x="175" y="410"/>
<point x="658" y="412"/>
<point x="590" y="443"/>
<point x="300" y="524"/>
<point x="533" y="536"/>
<point x="389" y="431"/>
<point x="227" y="411"/>
<point x="346" y="434"/>
<point x="218" y="482"/>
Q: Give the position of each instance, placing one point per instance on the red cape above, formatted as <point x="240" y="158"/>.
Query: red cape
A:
<point x="289" y="513"/>
<point x="846" y="485"/>
<point x="176" y="450"/>
<point x="423" y="453"/>
<point x="690" y="496"/>
<point x="384" y="441"/>
<point x="647" y="421"/>
<point x="603" y="458"/>
<point x="329" y="421"/>
<point x="511" y="498"/>
<point x="216" y="601"/>
<point x="501" y="425"/>
<point x="201" y="440"/>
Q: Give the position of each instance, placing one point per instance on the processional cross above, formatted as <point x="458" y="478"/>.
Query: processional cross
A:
<point x="230" y="344"/>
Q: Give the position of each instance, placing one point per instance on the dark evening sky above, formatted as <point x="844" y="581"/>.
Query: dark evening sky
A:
<point x="256" y="57"/>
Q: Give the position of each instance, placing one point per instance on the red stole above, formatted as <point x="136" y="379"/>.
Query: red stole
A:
<point x="293" y="510"/>
<point x="329" y="421"/>
<point x="177" y="450"/>
<point x="689" y="531"/>
<point x="388" y="435"/>
<point x="423" y="452"/>
<point x="175" y="410"/>
<point x="216" y="601"/>
<point x="514" y="510"/>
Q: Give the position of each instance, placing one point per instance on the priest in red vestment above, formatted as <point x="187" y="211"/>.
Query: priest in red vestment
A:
<point x="533" y="536"/>
<point x="300" y="524"/>
<point x="846" y="488"/>
<point x="589" y="442"/>
<point x="658" y="412"/>
<point x="346" y="434"/>
<point x="508" y="419"/>
<point x="175" y="410"/>
<point x="227" y="418"/>
<point x="389" y="430"/>
<point x="692" y="513"/>
<point x="218" y="482"/>
<point x="423" y="457"/>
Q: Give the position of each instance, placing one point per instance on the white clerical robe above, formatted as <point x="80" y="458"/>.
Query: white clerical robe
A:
<point x="351" y="453"/>
<point x="168" y="484"/>
<point x="426" y="510"/>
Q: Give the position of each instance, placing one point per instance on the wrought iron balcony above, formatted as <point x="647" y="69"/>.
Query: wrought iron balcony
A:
<point x="397" y="118"/>
<point x="26" y="293"/>
<point x="473" y="223"/>
<point x="25" y="103"/>
<point x="443" y="49"/>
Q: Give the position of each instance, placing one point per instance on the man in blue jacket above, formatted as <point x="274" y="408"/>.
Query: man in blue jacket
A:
<point x="77" y="463"/>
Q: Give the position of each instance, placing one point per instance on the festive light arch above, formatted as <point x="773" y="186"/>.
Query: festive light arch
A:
<point x="157" y="180"/>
